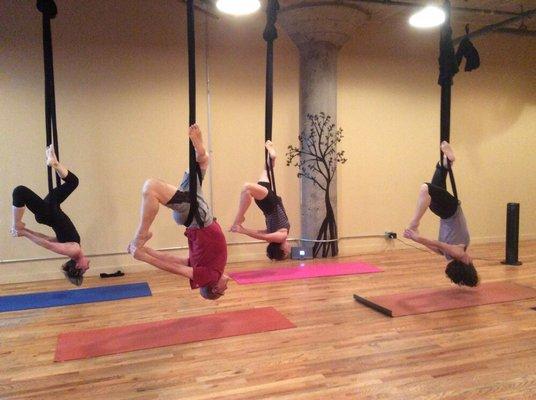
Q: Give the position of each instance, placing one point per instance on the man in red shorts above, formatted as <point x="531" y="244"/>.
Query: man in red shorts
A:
<point x="207" y="246"/>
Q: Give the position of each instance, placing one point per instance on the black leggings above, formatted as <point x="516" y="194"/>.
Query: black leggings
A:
<point x="443" y="204"/>
<point x="47" y="211"/>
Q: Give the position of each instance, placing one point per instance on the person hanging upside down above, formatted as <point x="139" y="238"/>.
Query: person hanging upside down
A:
<point x="453" y="233"/>
<point x="277" y="224"/>
<point x="207" y="246"/>
<point x="48" y="212"/>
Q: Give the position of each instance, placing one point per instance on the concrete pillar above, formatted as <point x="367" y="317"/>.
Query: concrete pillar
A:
<point x="319" y="30"/>
<point x="318" y="93"/>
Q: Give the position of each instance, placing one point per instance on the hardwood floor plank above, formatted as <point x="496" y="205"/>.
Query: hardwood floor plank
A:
<point x="339" y="350"/>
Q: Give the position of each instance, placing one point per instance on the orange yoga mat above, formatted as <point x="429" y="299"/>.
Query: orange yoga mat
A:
<point x="430" y="300"/>
<point x="122" y="339"/>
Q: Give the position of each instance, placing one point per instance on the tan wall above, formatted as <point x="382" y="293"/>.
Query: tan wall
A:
<point x="121" y="87"/>
<point x="389" y="108"/>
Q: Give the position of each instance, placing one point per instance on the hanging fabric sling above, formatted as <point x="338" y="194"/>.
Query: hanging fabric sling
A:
<point x="269" y="35"/>
<point x="195" y="171"/>
<point x="448" y="67"/>
<point x="449" y="62"/>
<point x="49" y="10"/>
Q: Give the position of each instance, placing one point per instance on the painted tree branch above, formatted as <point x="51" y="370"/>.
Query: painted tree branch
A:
<point x="316" y="160"/>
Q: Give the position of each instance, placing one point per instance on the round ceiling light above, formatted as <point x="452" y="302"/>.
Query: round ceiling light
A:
<point x="238" y="7"/>
<point x="428" y="17"/>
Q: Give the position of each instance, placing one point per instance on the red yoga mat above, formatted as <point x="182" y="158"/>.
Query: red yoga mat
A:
<point x="302" y="272"/>
<point x="122" y="339"/>
<point x="425" y="301"/>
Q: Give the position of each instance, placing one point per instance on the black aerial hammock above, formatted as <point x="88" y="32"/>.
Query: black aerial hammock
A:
<point x="49" y="10"/>
<point x="449" y="62"/>
<point x="448" y="67"/>
<point x="195" y="171"/>
<point x="269" y="35"/>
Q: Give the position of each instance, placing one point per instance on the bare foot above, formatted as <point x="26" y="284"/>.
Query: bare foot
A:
<point x="139" y="241"/>
<point x="132" y="249"/>
<point x="195" y="134"/>
<point x="136" y="251"/>
<point x="271" y="150"/>
<point x="19" y="225"/>
<point x="17" y="228"/>
<point x="52" y="160"/>
<point x="196" y="137"/>
<point x="447" y="150"/>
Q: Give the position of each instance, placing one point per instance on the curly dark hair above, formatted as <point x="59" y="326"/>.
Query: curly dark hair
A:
<point x="73" y="274"/>
<point x="461" y="273"/>
<point x="274" y="251"/>
<point x="207" y="293"/>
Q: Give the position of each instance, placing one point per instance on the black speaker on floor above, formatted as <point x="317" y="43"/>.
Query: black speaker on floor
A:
<point x="512" y="234"/>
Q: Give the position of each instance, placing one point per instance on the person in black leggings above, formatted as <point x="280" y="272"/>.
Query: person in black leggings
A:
<point x="277" y="223"/>
<point x="454" y="236"/>
<point x="48" y="212"/>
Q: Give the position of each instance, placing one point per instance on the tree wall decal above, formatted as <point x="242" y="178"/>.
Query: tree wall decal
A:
<point x="317" y="160"/>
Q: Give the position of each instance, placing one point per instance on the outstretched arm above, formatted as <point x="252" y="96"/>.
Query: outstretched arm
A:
<point x="70" y="249"/>
<point x="454" y="251"/>
<point x="277" y="237"/>
<point x="42" y="235"/>
<point x="142" y="254"/>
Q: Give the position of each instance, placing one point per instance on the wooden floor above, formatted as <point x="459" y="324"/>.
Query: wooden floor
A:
<point x="339" y="350"/>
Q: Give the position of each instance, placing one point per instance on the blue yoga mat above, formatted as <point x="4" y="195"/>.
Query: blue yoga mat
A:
<point x="76" y="296"/>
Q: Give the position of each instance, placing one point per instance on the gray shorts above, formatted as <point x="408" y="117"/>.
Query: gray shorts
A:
<point x="180" y="203"/>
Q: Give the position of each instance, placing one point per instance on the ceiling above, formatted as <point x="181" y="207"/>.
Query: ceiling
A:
<point x="485" y="12"/>
<point x="389" y="12"/>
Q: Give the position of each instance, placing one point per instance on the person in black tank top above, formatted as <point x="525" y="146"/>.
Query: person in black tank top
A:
<point x="453" y="234"/>
<point x="277" y="224"/>
<point x="48" y="212"/>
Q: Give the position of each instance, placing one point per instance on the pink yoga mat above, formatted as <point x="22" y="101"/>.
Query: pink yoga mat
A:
<point x="100" y="342"/>
<point x="425" y="301"/>
<point x="302" y="272"/>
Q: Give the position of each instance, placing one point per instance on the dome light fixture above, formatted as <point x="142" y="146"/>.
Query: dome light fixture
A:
<point x="428" y="17"/>
<point x="238" y="7"/>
